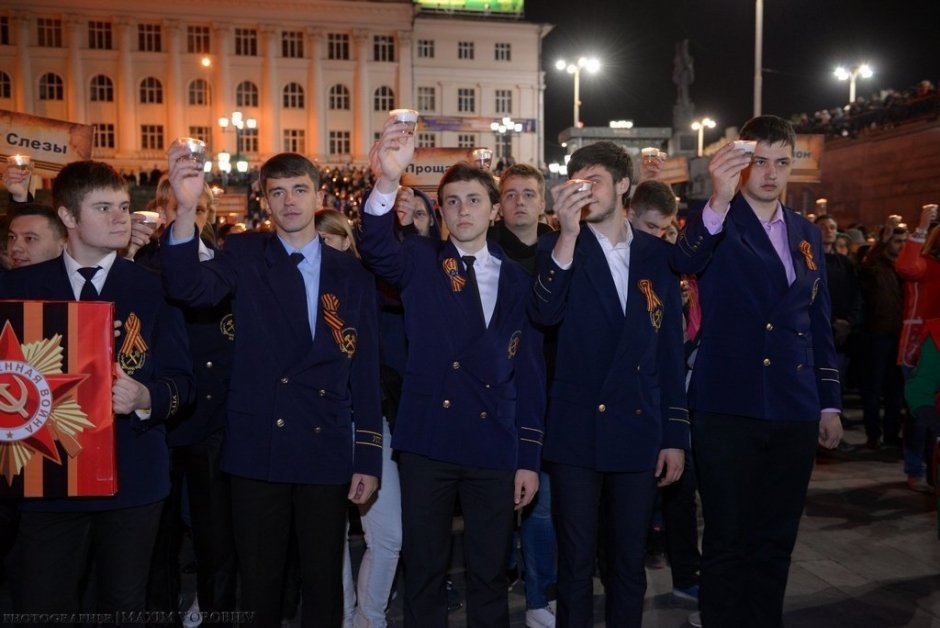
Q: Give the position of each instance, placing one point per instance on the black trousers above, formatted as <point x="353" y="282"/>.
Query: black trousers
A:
<point x="210" y="507"/>
<point x="429" y="489"/>
<point x="577" y="494"/>
<point x="55" y="551"/>
<point x="753" y="477"/>
<point x="261" y="514"/>
<point x="681" y="527"/>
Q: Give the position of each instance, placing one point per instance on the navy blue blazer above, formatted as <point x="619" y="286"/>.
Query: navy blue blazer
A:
<point x="618" y="396"/>
<point x="472" y="395"/>
<point x="142" y="458"/>
<point x="766" y="347"/>
<point x="293" y="398"/>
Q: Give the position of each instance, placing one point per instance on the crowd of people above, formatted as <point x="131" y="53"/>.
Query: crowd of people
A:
<point x="459" y="353"/>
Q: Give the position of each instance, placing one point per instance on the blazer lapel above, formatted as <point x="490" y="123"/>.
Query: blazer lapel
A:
<point x="795" y="240"/>
<point x="754" y="237"/>
<point x="286" y="286"/>
<point x="598" y="273"/>
<point x="452" y="269"/>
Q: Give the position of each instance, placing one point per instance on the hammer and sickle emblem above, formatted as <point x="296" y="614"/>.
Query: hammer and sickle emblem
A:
<point x="14" y="405"/>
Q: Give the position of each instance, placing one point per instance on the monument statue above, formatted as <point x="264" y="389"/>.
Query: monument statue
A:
<point x="683" y="72"/>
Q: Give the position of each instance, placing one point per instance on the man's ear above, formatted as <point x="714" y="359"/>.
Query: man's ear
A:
<point x="622" y="186"/>
<point x="67" y="218"/>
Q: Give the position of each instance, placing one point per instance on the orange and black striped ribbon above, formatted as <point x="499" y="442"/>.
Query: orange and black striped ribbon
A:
<point x="133" y="341"/>
<point x="330" y="305"/>
<point x="807" y="251"/>
<point x="653" y="305"/>
<point x="456" y="281"/>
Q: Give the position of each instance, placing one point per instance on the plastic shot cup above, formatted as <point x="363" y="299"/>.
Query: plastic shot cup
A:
<point x="405" y="116"/>
<point x="23" y="163"/>
<point x="483" y="158"/>
<point x="197" y="150"/>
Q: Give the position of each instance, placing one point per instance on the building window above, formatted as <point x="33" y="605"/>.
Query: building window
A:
<point x="151" y="136"/>
<point x="465" y="50"/>
<point x="197" y="40"/>
<point x="425" y="48"/>
<point x="293" y="96"/>
<point x="101" y="89"/>
<point x="426" y="140"/>
<point x="51" y="87"/>
<point x="427" y="99"/>
<point x="104" y="135"/>
<point x="339" y="98"/>
<point x="504" y="101"/>
<point x="383" y="99"/>
<point x="6" y="86"/>
<point x="294" y="141"/>
<point x="466" y="100"/>
<point x="383" y="48"/>
<point x="466" y="140"/>
<point x="246" y="42"/>
<point x="199" y="92"/>
<point x="151" y="91"/>
<point x="292" y="44"/>
<point x="250" y="140"/>
<point x="503" y="52"/>
<point x="4" y="30"/>
<point x="246" y="94"/>
<point x="337" y="46"/>
<point x="49" y="32"/>
<point x="201" y="133"/>
<point x="149" y="38"/>
<point x="99" y="35"/>
<point x="339" y="143"/>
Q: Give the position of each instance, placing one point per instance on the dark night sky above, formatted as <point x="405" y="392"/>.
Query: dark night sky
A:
<point x="804" y="40"/>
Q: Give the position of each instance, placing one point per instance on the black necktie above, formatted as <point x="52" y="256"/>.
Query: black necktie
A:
<point x="89" y="291"/>
<point x="297" y="258"/>
<point x="472" y="284"/>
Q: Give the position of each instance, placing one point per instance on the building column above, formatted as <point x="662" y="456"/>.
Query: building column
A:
<point x="24" y="98"/>
<point x="405" y="88"/>
<point x="126" y="93"/>
<point x="223" y="95"/>
<point x="75" y="80"/>
<point x="174" y="94"/>
<point x="362" y="99"/>
<point x="269" y="127"/>
<point x="319" y="101"/>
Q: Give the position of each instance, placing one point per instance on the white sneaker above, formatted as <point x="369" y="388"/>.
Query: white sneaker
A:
<point x="695" y="620"/>
<point x="540" y="618"/>
<point x="192" y="618"/>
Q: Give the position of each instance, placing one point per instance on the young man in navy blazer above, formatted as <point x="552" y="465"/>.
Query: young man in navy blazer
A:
<point x="303" y="432"/>
<point x="765" y="384"/>
<point x="617" y="424"/>
<point x="59" y="539"/>
<point x="471" y="412"/>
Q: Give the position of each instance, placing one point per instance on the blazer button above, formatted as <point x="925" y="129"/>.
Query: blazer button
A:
<point x="766" y="361"/>
<point x="280" y="422"/>
<point x="455" y="365"/>
<point x="209" y="364"/>
<point x="446" y="403"/>
<point x="639" y="411"/>
<point x="209" y="397"/>
<point x="484" y="415"/>
<point x="602" y="408"/>
<point x="770" y="326"/>
<point x="322" y="393"/>
<point x="317" y="429"/>
<point x="284" y="380"/>
<point x="637" y="368"/>
<point x="799" y="367"/>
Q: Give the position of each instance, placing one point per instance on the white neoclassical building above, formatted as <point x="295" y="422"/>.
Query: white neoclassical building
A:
<point x="312" y="76"/>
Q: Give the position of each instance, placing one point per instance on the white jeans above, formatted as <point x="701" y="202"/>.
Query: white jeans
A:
<point x="381" y="523"/>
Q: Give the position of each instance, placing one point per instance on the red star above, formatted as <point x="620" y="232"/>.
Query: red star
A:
<point x="42" y="440"/>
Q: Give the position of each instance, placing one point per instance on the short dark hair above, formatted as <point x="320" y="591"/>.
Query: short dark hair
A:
<point x="526" y="171"/>
<point x="770" y="130"/>
<point x="47" y="212"/>
<point x="654" y="195"/>
<point x="464" y="171"/>
<point x="77" y="179"/>
<point x="823" y="217"/>
<point x="609" y="156"/>
<point x="284" y="165"/>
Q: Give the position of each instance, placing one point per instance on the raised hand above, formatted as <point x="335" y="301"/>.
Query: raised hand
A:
<point x="725" y="169"/>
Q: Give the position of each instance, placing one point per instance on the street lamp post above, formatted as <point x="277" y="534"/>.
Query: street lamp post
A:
<point x="700" y="126"/>
<point x="239" y="123"/>
<point x="503" y="130"/>
<point x="592" y="65"/>
<point x="864" y="70"/>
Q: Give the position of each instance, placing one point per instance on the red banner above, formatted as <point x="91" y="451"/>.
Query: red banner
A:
<point x="56" y="419"/>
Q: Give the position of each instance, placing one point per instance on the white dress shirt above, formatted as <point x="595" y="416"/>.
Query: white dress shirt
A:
<point x="76" y="279"/>
<point x="618" y="260"/>
<point x="486" y="268"/>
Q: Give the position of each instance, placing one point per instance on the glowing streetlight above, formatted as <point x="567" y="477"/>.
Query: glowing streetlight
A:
<point x="592" y="65"/>
<point x="864" y="70"/>
<point x="700" y="126"/>
<point x="503" y="130"/>
<point x="239" y="123"/>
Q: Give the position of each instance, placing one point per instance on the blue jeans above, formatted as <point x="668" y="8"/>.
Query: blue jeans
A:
<point x="538" y="546"/>
<point x="915" y="437"/>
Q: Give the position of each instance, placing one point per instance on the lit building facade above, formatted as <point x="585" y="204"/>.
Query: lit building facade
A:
<point x="318" y="77"/>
